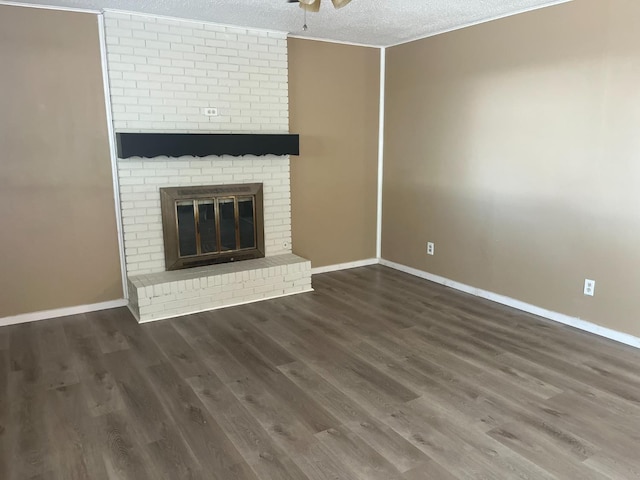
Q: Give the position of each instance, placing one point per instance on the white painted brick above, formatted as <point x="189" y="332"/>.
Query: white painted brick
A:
<point x="163" y="85"/>
<point x="145" y="177"/>
<point x="202" y="54"/>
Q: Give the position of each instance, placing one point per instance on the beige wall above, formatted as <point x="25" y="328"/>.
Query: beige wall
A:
<point x="59" y="239"/>
<point x="334" y="93"/>
<point x="515" y="147"/>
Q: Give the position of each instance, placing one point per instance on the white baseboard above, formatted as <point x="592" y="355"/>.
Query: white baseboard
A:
<point x="525" y="307"/>
<point x="345" y="266"/>
<point x="191" y="312"/>
<point x="61" y="312"/>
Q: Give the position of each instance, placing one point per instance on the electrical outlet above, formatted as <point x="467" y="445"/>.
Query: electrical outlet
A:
<point x="210" y="111"/>
<point x="589" y="287"/>
<point x="430" y="248"/>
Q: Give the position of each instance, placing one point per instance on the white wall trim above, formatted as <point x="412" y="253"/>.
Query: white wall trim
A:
<point x="220" y="307"/>
<point x="112" y="152"/>
<point x="49" y="7"/>
<point x="280" y="33"/>
<point x="61" y="312"/>
<point x="383" y="73"/>
<point x="478" y="22"/>
<point x="345" y="266"/>
<point x="525" y="307"/>
<point x="329" y="40"/>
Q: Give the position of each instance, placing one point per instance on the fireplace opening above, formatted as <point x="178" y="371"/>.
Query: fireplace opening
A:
<point x="205" y="225"/>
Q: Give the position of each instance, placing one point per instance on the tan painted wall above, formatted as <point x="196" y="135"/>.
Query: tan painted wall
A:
<point x="515" y="147"/>
<point x="59" y="240"/>
<point x="334" y="93"/>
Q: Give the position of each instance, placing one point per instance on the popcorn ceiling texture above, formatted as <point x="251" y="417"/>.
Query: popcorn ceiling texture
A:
<point x="370" y="22"/>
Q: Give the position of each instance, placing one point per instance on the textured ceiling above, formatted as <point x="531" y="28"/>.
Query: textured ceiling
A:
<point x="369" y="22"/>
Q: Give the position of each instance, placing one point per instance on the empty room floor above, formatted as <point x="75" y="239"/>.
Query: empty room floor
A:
<point x="375" y="375"/>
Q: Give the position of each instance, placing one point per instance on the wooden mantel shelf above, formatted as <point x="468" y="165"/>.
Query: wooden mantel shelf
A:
<point x="151" y="145"/>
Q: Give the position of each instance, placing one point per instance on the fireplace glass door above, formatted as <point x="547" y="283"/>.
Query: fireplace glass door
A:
<point x="212" y="224"/>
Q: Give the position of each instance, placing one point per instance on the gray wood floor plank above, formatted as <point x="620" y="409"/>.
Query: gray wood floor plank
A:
<point x="173" y="459"/>
<point x="332" y="353"/>
<point x="144" y="410"/>
<point x="176" y="350"/>
<point x="24" y="354"/>
<point x="613" y="465"/>
<point x="320" y="464"/>
<point x="238" y="330"/>
<point x="101" y="392"/>
<point x="428" y="471"/>
<point x="375" y="374"/>
<point x="4" y="339"/>
<point x="206" y="439"/>
<point x="27" y="442"/>
<point x="385" y="441"/>
<point x="444" y="449"/>
<point x="124" y="457"/>
<point x="110" y="336"/>
<point x="335" y="401"/>
<point x="297" y="400"/>
<point x="212" y="354"/>
<point x="538" y="450"/>
<point x="494" y="456"/>
<point x="394" y="448"/>
<point x="375" y="401"/>
<point x="249" y="437"/>
<point x="53" y="349"/>
<point x="141" y="347"/>
<point x="357" y="454"/>
<point x="79" y="455"/>
<point x="288" y="430"/>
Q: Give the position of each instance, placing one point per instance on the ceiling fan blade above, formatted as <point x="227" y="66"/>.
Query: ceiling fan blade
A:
<point x="310" y="5"/>
<point x="340" y="3"/>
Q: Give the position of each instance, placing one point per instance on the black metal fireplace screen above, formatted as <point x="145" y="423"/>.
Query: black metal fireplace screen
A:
<point x="211" y="224"/>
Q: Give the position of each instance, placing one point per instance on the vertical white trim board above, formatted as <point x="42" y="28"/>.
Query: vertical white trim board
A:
<point x="525" y="307"/>
<point x="112" y="153"/>
<point x="345" y="266"/>
<point x="383" y="72"/>
<point x="61" y="312"/>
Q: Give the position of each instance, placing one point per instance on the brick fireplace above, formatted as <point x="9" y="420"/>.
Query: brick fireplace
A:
<point x="163" y="73"/>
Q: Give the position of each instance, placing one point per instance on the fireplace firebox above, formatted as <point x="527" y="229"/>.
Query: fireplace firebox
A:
<point x="211" y="224"/>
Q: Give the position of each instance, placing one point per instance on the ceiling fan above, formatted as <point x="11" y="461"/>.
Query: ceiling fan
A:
<point x="314" y="5"/>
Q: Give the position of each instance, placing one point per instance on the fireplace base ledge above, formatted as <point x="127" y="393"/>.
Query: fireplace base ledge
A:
<point x="164" y="295"/>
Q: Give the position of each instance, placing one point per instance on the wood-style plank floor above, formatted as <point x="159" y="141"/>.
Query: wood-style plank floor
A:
<point x="375" y="375"/>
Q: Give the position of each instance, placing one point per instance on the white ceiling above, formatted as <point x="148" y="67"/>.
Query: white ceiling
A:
<point x="368" y="22"/>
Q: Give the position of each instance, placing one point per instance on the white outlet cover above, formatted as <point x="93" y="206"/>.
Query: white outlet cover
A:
<point x="430" y="248"/>
<point x="210" y="111"/>
<point x="589" y="287"/>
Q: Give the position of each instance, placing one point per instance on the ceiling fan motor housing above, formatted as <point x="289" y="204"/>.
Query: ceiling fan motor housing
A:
<point x="314" y="5"/>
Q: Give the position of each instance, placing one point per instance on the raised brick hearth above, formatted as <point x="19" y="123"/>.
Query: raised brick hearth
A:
<point x="168" y="294"/>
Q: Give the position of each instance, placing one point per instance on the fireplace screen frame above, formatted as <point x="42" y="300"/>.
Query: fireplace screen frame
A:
<point x="169" y="198"/>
